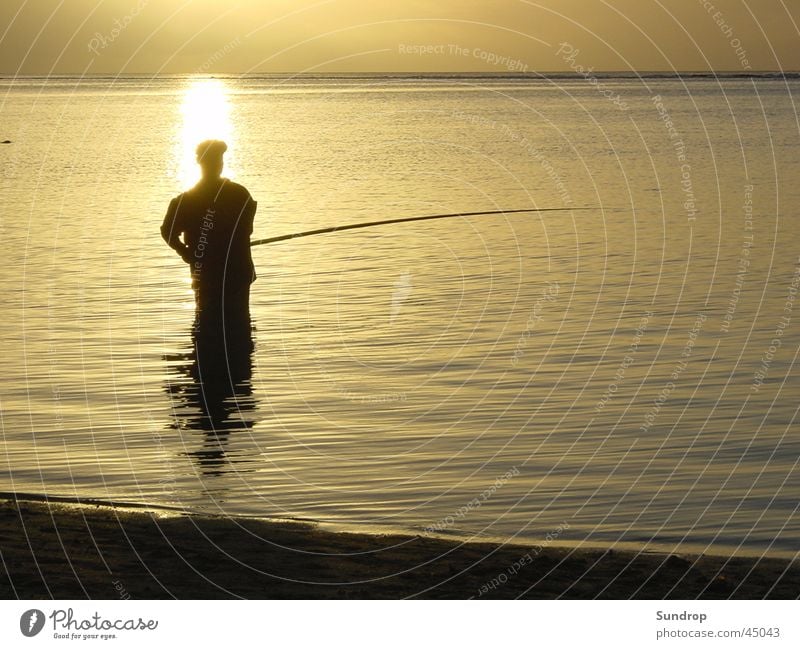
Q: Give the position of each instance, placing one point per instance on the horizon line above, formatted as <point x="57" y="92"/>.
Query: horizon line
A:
<point x="478" y="73"/>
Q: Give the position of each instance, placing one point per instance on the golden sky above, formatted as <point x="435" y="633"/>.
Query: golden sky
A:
<point x="249" y="36"/>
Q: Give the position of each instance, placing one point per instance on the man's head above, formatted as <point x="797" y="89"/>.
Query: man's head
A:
<point x="209" y="157"/>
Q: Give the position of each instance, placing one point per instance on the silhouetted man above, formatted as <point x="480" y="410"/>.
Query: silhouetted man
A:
<point x="209" y="226"/>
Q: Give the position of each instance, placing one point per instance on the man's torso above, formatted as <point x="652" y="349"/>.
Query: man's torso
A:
<point x="216" y="220"/>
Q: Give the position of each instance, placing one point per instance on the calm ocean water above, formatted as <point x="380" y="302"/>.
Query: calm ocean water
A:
<point x="625" y="374"/>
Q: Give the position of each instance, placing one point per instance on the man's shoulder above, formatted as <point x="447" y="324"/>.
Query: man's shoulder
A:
<point x="236" y="189"/>
<point x="181" y="198"/>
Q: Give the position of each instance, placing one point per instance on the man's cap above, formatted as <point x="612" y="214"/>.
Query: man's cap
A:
<point x="210" y="149"/>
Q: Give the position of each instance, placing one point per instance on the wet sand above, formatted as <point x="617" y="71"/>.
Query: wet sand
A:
<point x="89" y="551"/>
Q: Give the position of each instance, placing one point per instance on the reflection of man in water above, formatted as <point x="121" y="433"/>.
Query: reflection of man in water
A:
<point x="209" y="226"/>
<point x="211" y="384"/>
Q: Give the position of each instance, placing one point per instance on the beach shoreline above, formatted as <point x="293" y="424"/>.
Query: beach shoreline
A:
<point x="74" y="551"/>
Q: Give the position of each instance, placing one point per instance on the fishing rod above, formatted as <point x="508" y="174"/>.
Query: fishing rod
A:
<point x="355" y="226"/>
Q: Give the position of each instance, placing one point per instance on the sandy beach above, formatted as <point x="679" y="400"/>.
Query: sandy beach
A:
<point x="60" y="550"/>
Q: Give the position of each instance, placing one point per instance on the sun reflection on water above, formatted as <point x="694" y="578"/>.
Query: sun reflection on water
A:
<point x="206" y="114"/>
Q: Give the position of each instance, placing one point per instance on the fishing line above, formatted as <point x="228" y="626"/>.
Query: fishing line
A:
<point x="355" y="226"/>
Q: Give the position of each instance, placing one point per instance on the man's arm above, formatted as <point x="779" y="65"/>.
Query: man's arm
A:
<point x="171" y="233"/>
<point x="249" y="214"/>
